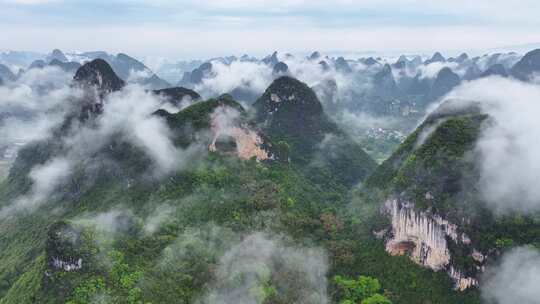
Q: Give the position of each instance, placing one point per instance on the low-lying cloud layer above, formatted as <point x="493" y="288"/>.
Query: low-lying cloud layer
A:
<point x="129" y="112"/>
<point x="46" y="178"/>
<point x="253" y="77"/>
<point x="127" y="117"/>
<point x="31" y="106"/>
<point x="508" y="149"/>
<point x="515" y="280"/>
<point x="248" y="270"/>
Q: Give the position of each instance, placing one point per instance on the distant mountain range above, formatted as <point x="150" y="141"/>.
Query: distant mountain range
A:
<point x="127" y="68"/>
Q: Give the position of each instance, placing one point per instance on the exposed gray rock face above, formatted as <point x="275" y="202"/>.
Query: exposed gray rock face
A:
<point x="67" y="265"/>
<point x="97" y="79"/>
<point x="63" y="248"/>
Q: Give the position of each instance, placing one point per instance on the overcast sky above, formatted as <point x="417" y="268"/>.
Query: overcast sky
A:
<point x="202" y="28"/>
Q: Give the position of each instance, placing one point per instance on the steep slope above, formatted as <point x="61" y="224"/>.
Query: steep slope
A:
<point x="281" y="68"/>
<point x="437" y="57"/>
<point x="260" y="207"/>
<point x="370" y="61"/>
<point x="271" y="60"/>
<point x="70" y="67"/>
<point x="342" y="65"/>
<point x="58" y="55"/>
<point x="37" y="64"/>
<point x="445" y="81"/>
<point x="419" y="87"/>
<point x="99" y="74"/>
<point x="124" y="65"/>
<point x="153" y="82"/>
<point x="462" y="58"/>
<point x="129" y="69"/>
<point x="6" y="74"/>
<point x="91" y="239"/>
<point x="177" y="95"/>
<point x="527" y="66"/>
<point x="315" y="56"/>
<point x="227" y="123"/>
<point x="384" y="83"/>
<point x="197" y="75"/>
<point x="290" y="112"/>
<point x="430" y="196"/>
<point x="472" y="72"/>
<point x="97" y="79"/>
<point x="495" y="70"/>
<point x="128" y="237"/>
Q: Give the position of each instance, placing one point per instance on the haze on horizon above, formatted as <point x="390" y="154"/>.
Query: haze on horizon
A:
<point x="205" y="28"/>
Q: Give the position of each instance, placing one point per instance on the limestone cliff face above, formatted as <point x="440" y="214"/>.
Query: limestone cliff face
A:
<point x="63" y="248"/>
<point x="69" y="264"/>
<point x="246" y="142"/>
<point x="419" y="236"/>
<point x="424" y="238"/>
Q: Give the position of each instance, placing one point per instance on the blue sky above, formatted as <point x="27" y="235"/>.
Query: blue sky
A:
<point x="204" y="28"/>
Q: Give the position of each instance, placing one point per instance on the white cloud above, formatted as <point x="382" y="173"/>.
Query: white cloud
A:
<point x="34" y="104"/>
<point x="247" y="267"/>
<point x="508" y="148"/>
<point x="160" y="215"/>
<point x="253" y="77"/>
<point x="110" y="222"/>
<point x="136" y="76"/>
<point x="515" y="280"/>
<point x="127" y="116"/>
<point x="432" y="70"/>
<point x="45" y="178"/>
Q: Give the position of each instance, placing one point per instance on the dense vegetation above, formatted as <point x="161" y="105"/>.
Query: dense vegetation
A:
<point x="290" y="112"/>
<point x="116" y="233"/>
<point x="435" y="169"/>
<point x="214" y="203"/>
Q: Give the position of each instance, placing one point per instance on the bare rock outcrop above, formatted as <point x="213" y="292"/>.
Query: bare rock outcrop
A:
<point x="424" y="238"/>
<point x="242" y="141"/>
